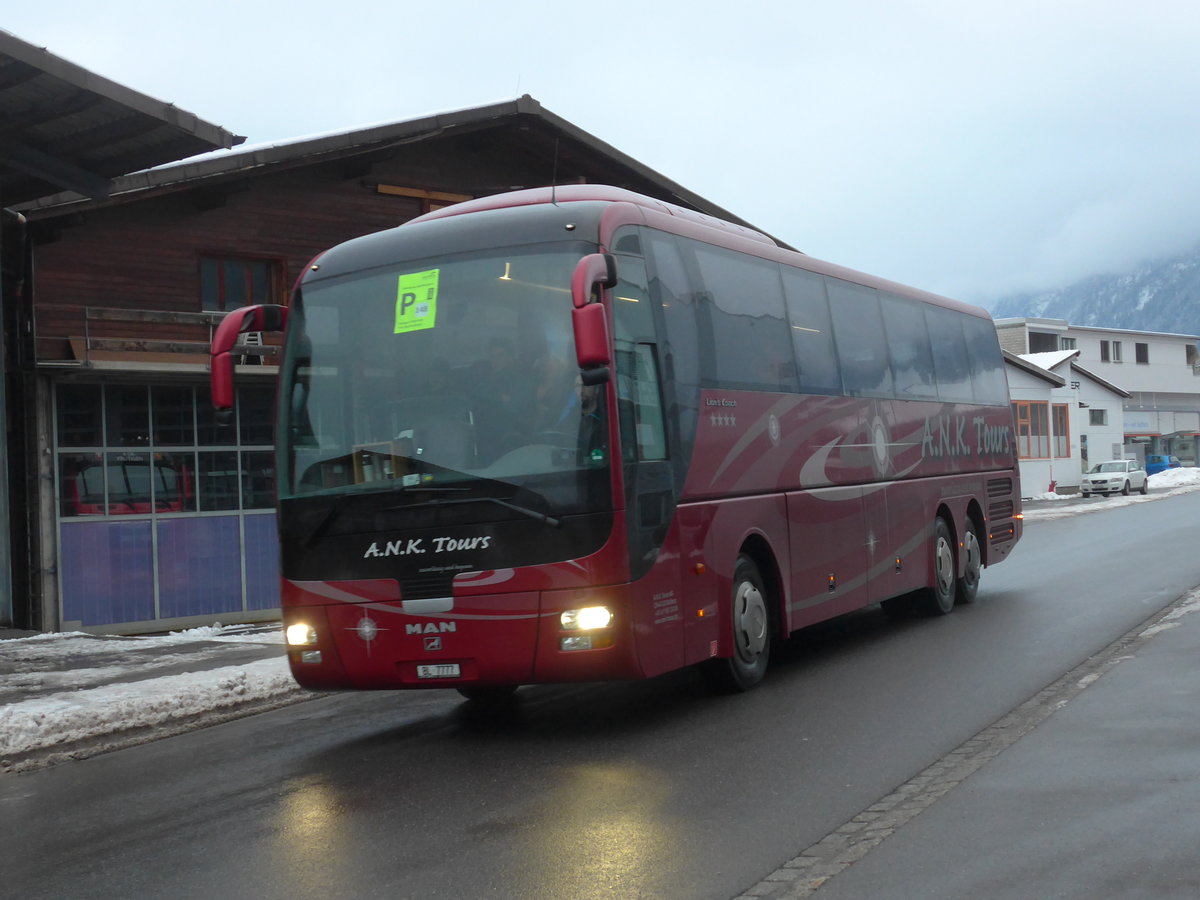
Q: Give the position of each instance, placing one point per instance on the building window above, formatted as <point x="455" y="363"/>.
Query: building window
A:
<point x="1105" y="356"/>
<point x="229" y="282"/>
<point x="1067" y="343"/>
<point x="1062" y="430"/>
<point x="1116" y="351"/>
<point x="1040" y="342"/>
<point x="127" y="450"/>
<point x="1142" y="352"/>
<point x="1033" y="429"/>
<point x="1097" y="416"/>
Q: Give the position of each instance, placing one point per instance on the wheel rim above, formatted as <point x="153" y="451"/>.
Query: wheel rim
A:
<point x="749" y="621"/>
<point x="974" y="559"/>
<point x="944" y="560"/>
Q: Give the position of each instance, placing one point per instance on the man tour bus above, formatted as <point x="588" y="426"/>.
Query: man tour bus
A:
<point x="579" y="434"/>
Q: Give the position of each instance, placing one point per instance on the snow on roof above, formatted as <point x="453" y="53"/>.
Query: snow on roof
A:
<point x="1049" y="361"/>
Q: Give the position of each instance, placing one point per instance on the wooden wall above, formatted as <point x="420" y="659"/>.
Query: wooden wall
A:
<point x="145" y="254"/>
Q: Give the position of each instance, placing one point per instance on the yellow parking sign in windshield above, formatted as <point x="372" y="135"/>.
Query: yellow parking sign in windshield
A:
<point x="416" y="301"/>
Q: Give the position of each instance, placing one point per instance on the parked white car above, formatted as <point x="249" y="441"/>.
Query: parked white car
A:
<point x="1115" y="476"/>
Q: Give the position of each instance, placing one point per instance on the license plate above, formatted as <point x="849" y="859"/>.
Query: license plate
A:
<point x="445" y="670"/>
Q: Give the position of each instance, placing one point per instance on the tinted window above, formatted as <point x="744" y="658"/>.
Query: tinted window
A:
<point x="743" y="301"/>
<point x="79" y="416"/>
<point x="986" y="360"/>
<point x="812" y="332"/>
<point x="950" y="360"/>
<point x="908" y="348"/>
<point x="860" y="339"/>
<point x="671" y="290"/>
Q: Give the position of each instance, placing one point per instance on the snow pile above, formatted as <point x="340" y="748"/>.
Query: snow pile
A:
<point x="76" y="694"/>
<point x="1050" y="495"/>
<point x="80" y="715"/>
<point x="1170" y="478"/>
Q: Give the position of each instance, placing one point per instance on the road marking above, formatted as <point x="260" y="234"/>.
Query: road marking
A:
<point x="803" y="875"/>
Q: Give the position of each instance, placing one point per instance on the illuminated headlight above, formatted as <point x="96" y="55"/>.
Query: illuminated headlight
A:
<point x="587" y="619"/>
<point x="300" y="635"/>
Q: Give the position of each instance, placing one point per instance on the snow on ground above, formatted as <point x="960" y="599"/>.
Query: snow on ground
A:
<point x="73" y="717"/>
<point x="73" y="691"/>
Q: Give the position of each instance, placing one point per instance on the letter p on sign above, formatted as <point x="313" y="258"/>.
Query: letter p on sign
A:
<point x="416" y="301"/>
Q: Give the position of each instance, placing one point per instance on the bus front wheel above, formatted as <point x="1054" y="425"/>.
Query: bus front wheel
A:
<point x="939" y="597"/>
<point x="751" y="624"/>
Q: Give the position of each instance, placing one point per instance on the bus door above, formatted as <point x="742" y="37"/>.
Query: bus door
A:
<point x="649" y="473"/>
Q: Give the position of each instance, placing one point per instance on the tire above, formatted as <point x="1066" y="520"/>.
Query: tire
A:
<point x="938" y="599"/>
<point x="1125" y="490"/>
<point x="966" y="587"/>
<point x="750" y="621"/>
<point x="1145" y="489"/>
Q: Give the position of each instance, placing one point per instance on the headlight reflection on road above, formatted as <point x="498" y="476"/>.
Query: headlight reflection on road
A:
<point x="311" y="839"/>
<point x="610" y="834"/>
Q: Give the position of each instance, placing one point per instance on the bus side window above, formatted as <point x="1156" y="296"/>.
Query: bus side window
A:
<point x="643" y="433"/>
<point x="987" y="363"/>
<point x="908" y="348"/>
<point x="950" y="360"/>
<point x="642" y="425"/>
<point x="860" y="339"/>
<point x="742" y="308"/>
<point x="812" y="333"/>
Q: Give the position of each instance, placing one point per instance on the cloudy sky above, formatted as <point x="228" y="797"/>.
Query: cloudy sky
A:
<point x="973" y="149"/>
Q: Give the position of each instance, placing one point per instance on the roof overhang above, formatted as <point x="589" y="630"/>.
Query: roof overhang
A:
<point x="1030" y="369"/>
<point x="63" y="127"/>
<point x="559" y="142"/>
<point x="1108" y="385"/>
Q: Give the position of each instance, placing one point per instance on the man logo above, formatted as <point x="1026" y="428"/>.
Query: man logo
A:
<point x="432" y="628"/>
<point x="433" y="643"/>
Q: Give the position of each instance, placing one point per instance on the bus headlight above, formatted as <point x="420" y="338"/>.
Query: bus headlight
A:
<point x="301" y="635"/>
<point x="589" y="618"/>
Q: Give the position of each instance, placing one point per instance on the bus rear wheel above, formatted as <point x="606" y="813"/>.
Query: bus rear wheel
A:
<point x="938" y="599"/>
<point x="750" y="620"/>
<point x="968" y="586"/>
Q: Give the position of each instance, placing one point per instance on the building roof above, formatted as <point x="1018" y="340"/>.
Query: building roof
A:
<point x="64" y="127"/>
<point x="1050" y="360"/>
<point x="1061" y="325"/>
<point x="520" y="129"/>
<point x="1033" y="369"/>
<point x="1075" y="367"/>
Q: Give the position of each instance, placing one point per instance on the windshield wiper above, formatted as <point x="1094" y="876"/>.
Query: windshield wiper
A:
<point x="523" y="510"/>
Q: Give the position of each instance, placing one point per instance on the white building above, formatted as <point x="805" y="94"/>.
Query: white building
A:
<point x="1160" y="372"/>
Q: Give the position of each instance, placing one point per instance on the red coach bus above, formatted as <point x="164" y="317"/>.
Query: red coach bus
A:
<point x="582" y="434"/>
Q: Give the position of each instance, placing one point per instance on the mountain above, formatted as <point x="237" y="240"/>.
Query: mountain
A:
<point x="1159" y="296"/>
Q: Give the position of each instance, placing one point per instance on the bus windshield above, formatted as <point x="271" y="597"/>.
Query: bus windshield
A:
<point x="454" y="374"/>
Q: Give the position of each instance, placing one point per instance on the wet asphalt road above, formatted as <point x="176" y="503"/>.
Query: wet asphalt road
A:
<point x="657" y="789"/>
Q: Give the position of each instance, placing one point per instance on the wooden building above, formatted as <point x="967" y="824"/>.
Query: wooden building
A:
<point x="151" y="516"/>
<point x="62" y="127"/>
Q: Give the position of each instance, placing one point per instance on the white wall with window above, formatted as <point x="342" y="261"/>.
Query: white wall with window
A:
<point x="1102" y="417"/>
<point x="1043" y="412"/>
